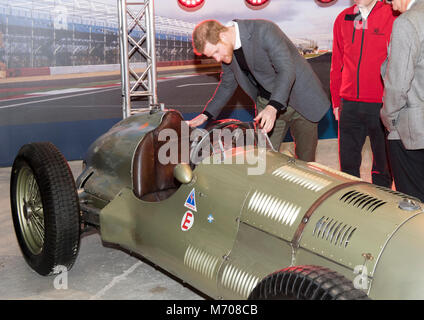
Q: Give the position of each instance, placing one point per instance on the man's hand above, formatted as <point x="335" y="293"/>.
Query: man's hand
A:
<point x="400" y="5"/>
<point x="336" y="113"/>
<point x="267" y="118"/>
<point x="198" y="121"/>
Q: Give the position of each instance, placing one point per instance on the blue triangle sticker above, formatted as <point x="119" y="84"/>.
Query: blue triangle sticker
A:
<point x="191" y="201"/>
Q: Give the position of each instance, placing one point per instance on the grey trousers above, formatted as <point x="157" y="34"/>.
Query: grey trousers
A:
<point x="304" y="132"/>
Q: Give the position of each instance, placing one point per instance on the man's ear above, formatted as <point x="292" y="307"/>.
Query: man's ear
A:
<point x="223" y="36"/>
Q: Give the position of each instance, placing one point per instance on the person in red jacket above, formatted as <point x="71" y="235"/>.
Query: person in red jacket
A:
<point x="361" y="38"/>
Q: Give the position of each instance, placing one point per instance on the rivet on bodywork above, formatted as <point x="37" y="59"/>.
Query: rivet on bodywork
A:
<point x="368" y="256"/>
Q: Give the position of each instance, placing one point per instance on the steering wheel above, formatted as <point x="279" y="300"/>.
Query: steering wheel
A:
<point x="215" y="137"/>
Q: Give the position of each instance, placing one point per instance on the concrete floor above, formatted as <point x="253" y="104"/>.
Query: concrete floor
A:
<point x="101" y="272"/>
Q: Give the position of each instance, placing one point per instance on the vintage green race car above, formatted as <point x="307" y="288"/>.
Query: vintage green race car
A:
<point x="295" y="230"/>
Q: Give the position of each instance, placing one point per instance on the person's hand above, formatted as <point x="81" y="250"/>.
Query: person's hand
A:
<point x="336" y="113"/>
<point x="267" y="118"/>
<point x="198" y="121"/>
<point x="400" y="5"/>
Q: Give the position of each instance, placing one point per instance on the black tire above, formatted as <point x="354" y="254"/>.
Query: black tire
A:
<point x="306" y="283"/>
<point x="51" y="211"/>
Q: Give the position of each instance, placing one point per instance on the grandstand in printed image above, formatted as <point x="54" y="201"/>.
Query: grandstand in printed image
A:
<point x="37" y="36"/>
<point x="50" y="33"/>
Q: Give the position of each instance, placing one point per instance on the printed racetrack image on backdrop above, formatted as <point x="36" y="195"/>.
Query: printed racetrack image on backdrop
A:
<point x="110" y="202"/>
<point x="59" y="64"/>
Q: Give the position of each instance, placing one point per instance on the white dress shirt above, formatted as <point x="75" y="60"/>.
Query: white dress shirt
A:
<point x="238" y="41"/>
<point x="365" y="12"/>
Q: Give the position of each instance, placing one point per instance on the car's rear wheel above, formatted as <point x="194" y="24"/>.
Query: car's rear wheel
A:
<point x="45" y="208"/>
<point x="306" y="283"/>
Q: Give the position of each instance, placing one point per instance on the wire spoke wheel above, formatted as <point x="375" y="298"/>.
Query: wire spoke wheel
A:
<point x="45" y="208"/>
<point x="30" y="210"/>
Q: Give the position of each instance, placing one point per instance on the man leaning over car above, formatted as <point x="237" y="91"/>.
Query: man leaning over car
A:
<point x="259" y="57"/>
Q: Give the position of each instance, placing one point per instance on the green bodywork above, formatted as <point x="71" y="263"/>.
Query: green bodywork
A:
<point x="249" y="226"/>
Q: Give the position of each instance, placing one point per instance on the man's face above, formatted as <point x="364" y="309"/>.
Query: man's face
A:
<point x="222" y="51"/>
<point x="363" y="3"/>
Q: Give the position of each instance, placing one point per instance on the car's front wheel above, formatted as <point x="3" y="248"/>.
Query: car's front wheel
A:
<point x="306" y="283"/>
<point x="45" y="208"/>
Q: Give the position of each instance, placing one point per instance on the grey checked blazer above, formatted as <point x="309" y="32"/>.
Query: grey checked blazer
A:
<point x="277" y="65"/>
<point x="403" y="74"/>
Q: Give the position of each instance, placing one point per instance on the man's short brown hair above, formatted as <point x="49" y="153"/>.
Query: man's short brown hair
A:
<point x="206" y="31"/>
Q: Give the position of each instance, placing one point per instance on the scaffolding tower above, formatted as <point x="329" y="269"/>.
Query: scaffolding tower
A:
<point x="137" y="43"/>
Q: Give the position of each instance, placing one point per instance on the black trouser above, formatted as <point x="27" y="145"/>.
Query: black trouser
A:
<point x="357" y="121"/>
<point x="408" y="169"/>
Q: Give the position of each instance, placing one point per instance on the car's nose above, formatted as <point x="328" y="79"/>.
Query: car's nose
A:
<point x="399" y="270"/>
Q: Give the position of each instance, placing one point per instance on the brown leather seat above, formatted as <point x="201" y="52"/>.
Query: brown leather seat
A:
<point x="152" y="180"/>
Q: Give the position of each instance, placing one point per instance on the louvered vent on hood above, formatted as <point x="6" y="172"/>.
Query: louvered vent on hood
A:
<point x="239" y="280"/>
<point x="333" y="231"/>
<point x="397" y="193"/>
<point x="273" y="208"/>
<point x="362" y="200"/>
<point x="303" y="178"/>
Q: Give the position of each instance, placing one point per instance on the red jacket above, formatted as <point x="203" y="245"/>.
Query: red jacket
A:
<point x="359" y="49"/>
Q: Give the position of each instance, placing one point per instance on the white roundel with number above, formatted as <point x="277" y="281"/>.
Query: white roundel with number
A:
<point x="187" y="221"/>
